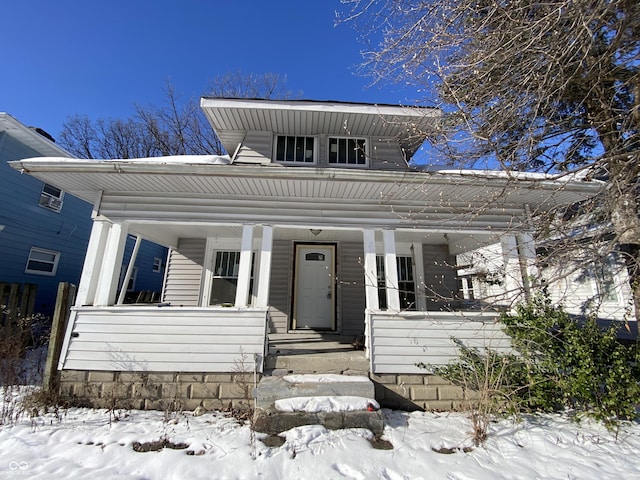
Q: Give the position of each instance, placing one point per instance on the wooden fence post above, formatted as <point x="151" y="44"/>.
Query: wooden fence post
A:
<point x="64" y="300"/>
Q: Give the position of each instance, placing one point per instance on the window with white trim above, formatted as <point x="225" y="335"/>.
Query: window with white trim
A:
<point x="224" y="282"/>
<point x="292" y="149"/>
<point x="157" y="264"/>
<point x="51" y="198"/>
<point x="347" y="151"/>
<point x="406" y="282"/>
<point x="42" y="262"/>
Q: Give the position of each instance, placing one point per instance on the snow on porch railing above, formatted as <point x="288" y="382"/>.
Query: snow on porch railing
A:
<point x="398" y="342"/>
<point x="167" y="339"/>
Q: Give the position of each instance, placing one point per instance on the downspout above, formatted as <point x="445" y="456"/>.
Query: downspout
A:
<point x="130" y="267"/>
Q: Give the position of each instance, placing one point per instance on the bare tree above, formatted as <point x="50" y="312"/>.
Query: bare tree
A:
<point x="548" y="86"/>
<point x="176" y="127"/>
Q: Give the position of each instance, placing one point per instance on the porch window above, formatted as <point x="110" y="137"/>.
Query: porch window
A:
<point x="406" y="283"/>
<point x="225" y="278"/>
<point x="347" y="151"/>
<point x="295" y="149"/>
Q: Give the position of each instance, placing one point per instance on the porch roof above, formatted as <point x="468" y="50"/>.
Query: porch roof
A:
<point x="201" y="175"/>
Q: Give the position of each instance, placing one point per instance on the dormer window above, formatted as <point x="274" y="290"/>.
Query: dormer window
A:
<point x="51" y="198"/>
<point x="295" y="149"/>
<point x="347" y="151"/>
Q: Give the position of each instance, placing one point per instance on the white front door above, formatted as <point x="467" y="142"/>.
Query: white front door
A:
<point x="314" y="293"/>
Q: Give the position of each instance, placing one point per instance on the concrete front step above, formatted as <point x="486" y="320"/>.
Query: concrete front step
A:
<point x="355" y="362"/>
<point x="272" y="388"/>
<point x="274" y="423"/>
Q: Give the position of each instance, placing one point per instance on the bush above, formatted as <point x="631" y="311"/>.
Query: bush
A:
<point x="560" y="362"/>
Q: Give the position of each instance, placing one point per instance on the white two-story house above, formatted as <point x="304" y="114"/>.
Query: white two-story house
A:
<point x="313" y="224"/>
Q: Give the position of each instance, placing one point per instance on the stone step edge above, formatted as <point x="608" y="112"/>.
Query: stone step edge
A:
<point x="274" y="423"/>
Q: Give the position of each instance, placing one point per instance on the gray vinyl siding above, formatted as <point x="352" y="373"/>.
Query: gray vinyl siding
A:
<point x="399" y="342"/>
<point x="385" y="154"/>
<point x="351" y="287"/>
<point x="280" y="286"/>
<point x="257" y="147"/>
<point x="184" y="272"/>
<point x="152" y="339"/>
<point x="440" y="277"/>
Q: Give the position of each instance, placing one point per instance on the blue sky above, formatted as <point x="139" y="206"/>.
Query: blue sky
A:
<point x="96" y="58"/>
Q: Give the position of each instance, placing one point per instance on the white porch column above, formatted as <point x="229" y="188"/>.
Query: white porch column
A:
<point x="418" y="273"/>
<point x="244" y="269"/>
<point x="513" y="284"/>
<point x="391" y="270"/>
<point x="92" y="263"/>
<point x="130" y="267"/>
<point x="370" y="270"/>
<point x="264" y="271"/>
<point x="527" y="256"/>
<point x="111" y="265"/>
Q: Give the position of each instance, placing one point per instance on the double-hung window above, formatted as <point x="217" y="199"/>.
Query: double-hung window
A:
<point x="406" y="282"/>
<point x="295" y="149"/>
<point x="225" y="278"/>
<point x="42" y="262"/>
<point x="347" y="151"/>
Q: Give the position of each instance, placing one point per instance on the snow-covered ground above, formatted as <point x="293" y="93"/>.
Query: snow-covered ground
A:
<point x="84" y="443"/>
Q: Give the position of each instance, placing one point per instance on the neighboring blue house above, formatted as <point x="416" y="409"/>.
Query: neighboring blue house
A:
<point x="44" y="232"/>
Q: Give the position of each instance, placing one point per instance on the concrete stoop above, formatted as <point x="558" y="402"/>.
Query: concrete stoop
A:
<point x="268" y="419"/>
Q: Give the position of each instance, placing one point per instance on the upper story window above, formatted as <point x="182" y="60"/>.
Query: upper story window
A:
<point x="51" y="198"/>
<point x="42" y="262"/>
<point x="295" y="149"/>
<point x="347" y="151"/>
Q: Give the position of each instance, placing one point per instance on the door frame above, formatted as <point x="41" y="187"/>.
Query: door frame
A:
<point x="294" y="288"/>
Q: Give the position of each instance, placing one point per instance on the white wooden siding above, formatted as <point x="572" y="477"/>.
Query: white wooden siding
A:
<point x="184" y="272"/>
<point x="165" y="339"/>
<point x="399" y="342"/>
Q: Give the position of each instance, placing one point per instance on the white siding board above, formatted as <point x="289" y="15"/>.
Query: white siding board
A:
<point x="167" y="339"/>
<point x="398" y="344"/>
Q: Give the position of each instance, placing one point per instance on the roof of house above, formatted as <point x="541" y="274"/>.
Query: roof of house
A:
<point x="231" y="118"/>
<point x="31" y="137"/>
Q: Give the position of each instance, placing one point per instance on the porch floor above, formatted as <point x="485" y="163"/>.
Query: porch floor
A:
<point x="314" y="353"/>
